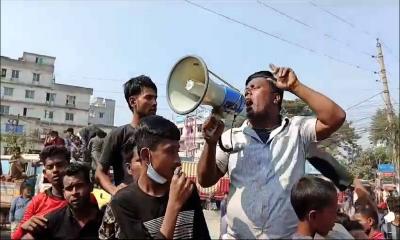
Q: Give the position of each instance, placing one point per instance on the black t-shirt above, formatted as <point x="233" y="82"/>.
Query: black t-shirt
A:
<point x="61" y="224"/>
<point x="140" y="216"/>
<point x="112" y="153"/>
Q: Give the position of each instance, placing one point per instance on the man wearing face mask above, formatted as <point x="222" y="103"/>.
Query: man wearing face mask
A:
<point x="268" y="154"/>
<point x="162" y="203"/>
<point x="141" y="96"/>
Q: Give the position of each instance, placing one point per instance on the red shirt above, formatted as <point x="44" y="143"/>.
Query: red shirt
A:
<point x="377" y="235"/>
<point x="40" y="205"/>
<point x="56" y="141"/>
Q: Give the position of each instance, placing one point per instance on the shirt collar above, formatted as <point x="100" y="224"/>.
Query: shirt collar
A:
<point x="248" y="129"/>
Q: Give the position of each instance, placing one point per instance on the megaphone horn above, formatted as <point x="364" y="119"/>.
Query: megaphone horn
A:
<point x="189" y="85"/>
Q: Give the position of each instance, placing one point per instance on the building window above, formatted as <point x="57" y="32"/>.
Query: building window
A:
<point x="29" y="94"/>
<point x="8" y="91"/>
<point x="15" y="74"/>
<point x="50" y="97"/>
<point x="24" y="112"/>
<point x="199" y="127"/>
<point x="101" y="115"/>
<point x="49" y="114"/>
<point x="70" y="100"/>
<point x="69" y="116"/>
<point x="4" y="109"/>
<point x="3" y="72"/>
<point x="39" y="60"/>
<point x="36" y="77"/>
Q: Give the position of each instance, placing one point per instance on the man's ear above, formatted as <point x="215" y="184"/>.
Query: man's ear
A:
<point x="132" y="101"/>
<point x="312" y="215"/>
<point x="370" y="221"/>
<point x="128" y="168"/>
<point x="145" y="155"/>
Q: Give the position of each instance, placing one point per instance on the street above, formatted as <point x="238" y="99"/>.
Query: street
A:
<point x="212" y="219"/>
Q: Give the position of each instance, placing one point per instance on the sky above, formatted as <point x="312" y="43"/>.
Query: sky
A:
<point x="101" y="44"/>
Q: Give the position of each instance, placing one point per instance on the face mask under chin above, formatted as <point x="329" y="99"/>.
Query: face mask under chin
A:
<point x="153" y="175"/>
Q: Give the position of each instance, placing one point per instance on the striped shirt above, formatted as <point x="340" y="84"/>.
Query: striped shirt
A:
<point x="262" y="175"/>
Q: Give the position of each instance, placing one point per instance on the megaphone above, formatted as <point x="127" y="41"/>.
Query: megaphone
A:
<point x="190" y="85"/>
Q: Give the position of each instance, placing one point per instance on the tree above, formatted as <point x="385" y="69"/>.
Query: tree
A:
<point x="380" y="127"/>
<point x="342" y="143"/>
<point x="367" y="163"/>
<point x="13" y="141"/>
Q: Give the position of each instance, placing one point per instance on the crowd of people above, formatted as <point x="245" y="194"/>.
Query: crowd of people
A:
<point x="269" y="198"/>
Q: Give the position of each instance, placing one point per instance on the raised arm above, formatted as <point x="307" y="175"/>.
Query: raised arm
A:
<point x="330" y="116"/>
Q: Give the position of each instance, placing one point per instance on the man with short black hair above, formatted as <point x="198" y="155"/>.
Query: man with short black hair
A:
<point x="81" y="218"/>
<point x="269" y="153"/>
<point x="141" y="96"/>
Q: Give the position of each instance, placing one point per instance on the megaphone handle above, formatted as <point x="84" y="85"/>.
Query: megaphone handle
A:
<point x="218" y="117"/>
<point x="223" y="148"/>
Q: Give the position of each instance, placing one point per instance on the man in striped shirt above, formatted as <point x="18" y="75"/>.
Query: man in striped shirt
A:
<point x="268" y="154"/>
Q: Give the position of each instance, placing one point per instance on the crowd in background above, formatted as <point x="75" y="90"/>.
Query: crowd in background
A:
<point x="153" y="198"/>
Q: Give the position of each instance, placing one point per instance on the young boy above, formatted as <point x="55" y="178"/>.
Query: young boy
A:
<point x="55" y="159"/>
<point x="367" y="216"/>
<point x="19" y="204"/>
<point x="315" y="202"/>
<point x="162" y="203"/>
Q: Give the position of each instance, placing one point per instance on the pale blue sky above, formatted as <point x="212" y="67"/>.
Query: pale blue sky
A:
<point x="101" y="44"/>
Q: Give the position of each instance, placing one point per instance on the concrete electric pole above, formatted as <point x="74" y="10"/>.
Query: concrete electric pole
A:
<point x="393" y="128"/>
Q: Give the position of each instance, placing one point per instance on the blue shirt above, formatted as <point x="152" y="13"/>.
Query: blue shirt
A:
<point x="17" y="209"/>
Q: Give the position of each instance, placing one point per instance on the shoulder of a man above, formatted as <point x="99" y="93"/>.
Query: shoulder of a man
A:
<point x="125" y="195"/>
<point x="300" y="121"/>
<point x="56" y="216"/>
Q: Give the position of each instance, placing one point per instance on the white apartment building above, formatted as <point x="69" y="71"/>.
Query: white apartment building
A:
<point x="31" y="97"/>
<point x="101" y="111"/>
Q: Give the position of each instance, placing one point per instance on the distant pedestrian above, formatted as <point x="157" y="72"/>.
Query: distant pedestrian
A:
<point x="19" y="204"/>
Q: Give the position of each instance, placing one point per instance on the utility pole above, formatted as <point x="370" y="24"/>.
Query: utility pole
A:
<point x="393" y="128"/>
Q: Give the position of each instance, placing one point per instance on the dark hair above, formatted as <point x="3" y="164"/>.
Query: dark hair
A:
<point x="267" y="74"/>
<point x="23" y="186"/>
<point x="134" y="86"/>
<point x="369" y="212"/>
<point x="53" y="133"/>
<point x="54" y="150"/>
<point x="77" y="168"/>
<point x="394" y="204"/>
<point x="127" y="149"/>
<point x="311" y="193"/>
<point x="153" y="129"/>
<point x="100" y="133"/>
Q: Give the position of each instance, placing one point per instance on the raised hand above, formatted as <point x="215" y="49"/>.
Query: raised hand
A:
<point x="286" y="79"/>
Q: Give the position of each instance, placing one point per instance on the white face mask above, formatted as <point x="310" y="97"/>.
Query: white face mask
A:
<point x="153" y="175"/>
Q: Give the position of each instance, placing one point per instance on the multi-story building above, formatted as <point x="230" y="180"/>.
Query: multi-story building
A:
<point x="101" y="111"/>
<point x="32" y="102"/>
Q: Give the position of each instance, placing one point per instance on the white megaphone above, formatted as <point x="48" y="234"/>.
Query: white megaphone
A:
<point x="190" y="85"/>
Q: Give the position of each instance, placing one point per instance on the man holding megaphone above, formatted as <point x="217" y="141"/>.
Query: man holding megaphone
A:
<point x="268" y="153"/>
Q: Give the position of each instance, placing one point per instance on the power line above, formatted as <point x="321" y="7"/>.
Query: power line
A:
<point x="277" y="37"/>
<point x="351" y="25"/>
<point x="361" y="102"/>
<point x="342" y="20"/>
<point x="346" y="44"/>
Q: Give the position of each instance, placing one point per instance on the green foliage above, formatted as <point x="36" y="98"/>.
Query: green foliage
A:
<point x="12" y="141"/>
<point x="367" y="163"/>
<point x="380" y="128"/>
<point x="343" y="142"/>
